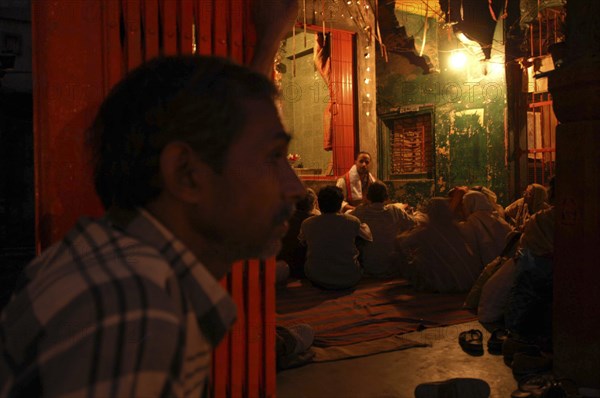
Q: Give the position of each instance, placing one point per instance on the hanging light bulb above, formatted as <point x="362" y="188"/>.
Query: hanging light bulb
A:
<point x="457" y="60"/>
<point x="367" y="80"/>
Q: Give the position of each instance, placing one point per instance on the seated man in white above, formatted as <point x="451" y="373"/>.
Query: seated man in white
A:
<point x="356" y="181"/>
<point x="332" y="252"/>
<point x="385" y="221"/>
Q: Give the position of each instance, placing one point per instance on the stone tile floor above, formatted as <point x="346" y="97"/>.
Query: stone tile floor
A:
<point x="396" y="374"/>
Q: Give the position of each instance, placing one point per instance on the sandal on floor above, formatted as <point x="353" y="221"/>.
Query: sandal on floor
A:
<point x="496" y="340"/>
<point x="471" y="342"/>
<point x="545" y="386"/>
<point x="459" y="388"/>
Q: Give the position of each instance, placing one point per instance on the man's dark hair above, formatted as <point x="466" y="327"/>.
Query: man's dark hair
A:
<point x="378" y="192"/>
<point x="330" y="199"/>
<point x="194" y="99"/>
<point x="307" y="202"/>
<point x="363" y="153"/>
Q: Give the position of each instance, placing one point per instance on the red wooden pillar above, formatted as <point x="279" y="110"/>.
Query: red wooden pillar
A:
<point x="68" y="84"/>
<point x="342" y="72"/>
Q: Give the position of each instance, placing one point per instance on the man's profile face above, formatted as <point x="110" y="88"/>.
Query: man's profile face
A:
<point x="254" y="196"/>
<point x="362" y="163"/>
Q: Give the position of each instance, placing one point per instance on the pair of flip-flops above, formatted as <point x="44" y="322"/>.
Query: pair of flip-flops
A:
<point x="471" y="341"/>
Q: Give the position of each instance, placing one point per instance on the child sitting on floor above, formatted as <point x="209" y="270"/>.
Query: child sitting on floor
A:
<point x="292" y="252"/>
<point x="332" y="254"/>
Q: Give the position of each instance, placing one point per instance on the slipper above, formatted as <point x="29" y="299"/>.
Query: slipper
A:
<point x="546" y="386"/>
<point x="520" y="394"/>
<point x="496" y="341"/>
<point x="471" y="342"/>
<point x="459" y="387"/>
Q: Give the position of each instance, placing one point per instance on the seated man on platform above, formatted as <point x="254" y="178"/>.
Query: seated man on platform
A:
<point x="332" y="254"/>
<point x="355" y="183"/>
<point x="379" y="259"/>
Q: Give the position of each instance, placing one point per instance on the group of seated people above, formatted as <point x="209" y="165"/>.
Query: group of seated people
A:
<point x="444" y="247"/>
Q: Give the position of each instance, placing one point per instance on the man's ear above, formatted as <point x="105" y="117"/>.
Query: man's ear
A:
<point x="183" y="174"/>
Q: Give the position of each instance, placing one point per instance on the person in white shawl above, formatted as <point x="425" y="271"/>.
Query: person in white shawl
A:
<point x="535" y="198"/>
<point x="356" y="181"/>
<point x="484" y="230"/>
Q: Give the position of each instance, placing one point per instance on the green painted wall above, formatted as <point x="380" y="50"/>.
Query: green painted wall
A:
<point x="469" y="111"/>
<point x="304" y="99"/>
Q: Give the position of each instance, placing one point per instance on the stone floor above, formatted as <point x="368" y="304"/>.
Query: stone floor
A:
<point x="396" y="374"/>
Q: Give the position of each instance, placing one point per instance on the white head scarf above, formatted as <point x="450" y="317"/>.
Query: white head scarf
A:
<point x="476" y="201"/>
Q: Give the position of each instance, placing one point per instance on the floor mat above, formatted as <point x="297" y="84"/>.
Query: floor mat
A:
<point x="392" y="343"/>
<point x="368" y="319"/>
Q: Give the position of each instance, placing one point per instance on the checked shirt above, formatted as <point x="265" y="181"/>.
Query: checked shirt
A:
<point x="117" y="308"/>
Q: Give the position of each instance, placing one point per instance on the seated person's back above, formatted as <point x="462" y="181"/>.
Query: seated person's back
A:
<point x="385" y="222"/>
<point x="441" y="259"/>
<point x="292" y="252"/>
<point x="332" y="254"/>
<point x="484" y="230"/>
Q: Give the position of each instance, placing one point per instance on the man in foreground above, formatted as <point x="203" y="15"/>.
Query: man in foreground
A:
<point x="190" y="163"/>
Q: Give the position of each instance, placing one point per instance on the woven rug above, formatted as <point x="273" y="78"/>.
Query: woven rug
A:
<point x="368" y="319"/>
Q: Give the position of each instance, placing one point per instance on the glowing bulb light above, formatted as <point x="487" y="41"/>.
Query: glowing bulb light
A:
<point x="495" y="68"/>
<point x="458" y="60"/>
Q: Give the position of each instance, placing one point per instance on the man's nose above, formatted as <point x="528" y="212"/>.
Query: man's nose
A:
<point x="293" y="187"/>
